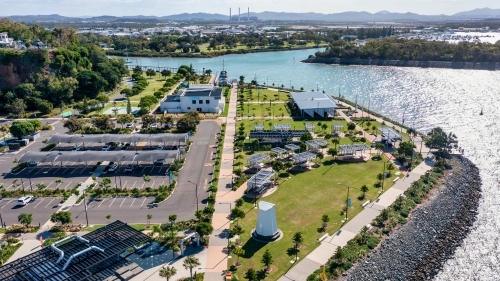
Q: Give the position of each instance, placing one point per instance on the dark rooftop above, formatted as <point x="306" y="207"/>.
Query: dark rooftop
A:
<point x="215" y="92"/>
<point x="108" y="244"/>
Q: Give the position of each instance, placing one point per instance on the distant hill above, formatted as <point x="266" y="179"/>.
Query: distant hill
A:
<point x="351" y="16"/>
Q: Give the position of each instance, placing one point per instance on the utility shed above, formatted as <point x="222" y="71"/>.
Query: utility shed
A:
<point x="314" y="104"/>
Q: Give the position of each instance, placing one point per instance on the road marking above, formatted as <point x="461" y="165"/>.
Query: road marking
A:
<point x="49" y="184"/>
<point x="143" y="185"/>
<point x="10" y="186"/>
<point x="134" y="185"/>
<point x="50" y="202"/>
<point x="39" y="202"/>
<point x="132" y="202"/>
<point x="112" y="202"/>
<point x="124" y="199"/>
<point x="125" y="184"/>
<point x="7" y="203"/>
<point x="76" y="168"/>
<point x="101" y="202"/>
<point x="67" y="185"/>
<point x="143" y="201"/>
<point x="153" y="184"/>
<point x="162" y="183"/>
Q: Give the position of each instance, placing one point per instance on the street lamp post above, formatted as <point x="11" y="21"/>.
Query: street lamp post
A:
<point x="196" y="186"/>
<point x="85" y="203"/>
<point x="383" y="174"/>
<point x="22" y="183"/>
<point x="347" y="200"/>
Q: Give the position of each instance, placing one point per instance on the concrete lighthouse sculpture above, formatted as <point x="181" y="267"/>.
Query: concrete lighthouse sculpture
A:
<point x="267" y="226"/>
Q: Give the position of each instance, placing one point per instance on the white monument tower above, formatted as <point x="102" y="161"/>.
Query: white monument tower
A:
<point x="267" y="226"/>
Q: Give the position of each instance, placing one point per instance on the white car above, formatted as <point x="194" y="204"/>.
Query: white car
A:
<point x="154" y="125"/>
<point x="129" y="126"/>
<point x="113" y="167"/>
<point x="23" y="201"/>
<point x="76" y="148"/>
<point x="106" y="147"/>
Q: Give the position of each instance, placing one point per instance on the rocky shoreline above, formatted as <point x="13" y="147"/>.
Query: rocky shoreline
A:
<point x="407" y="63"/>
<point x="418" y="250"/>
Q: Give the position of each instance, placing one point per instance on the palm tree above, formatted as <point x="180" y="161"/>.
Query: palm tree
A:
<point x="380" y="147"/>
<point x="149" y="217"/>
<point x="364" y="189"/>
<point x="362" y="234"/>
<point x="167" y="272"/>
<point x="190" y="263"/>
<point x="335" y="141"/>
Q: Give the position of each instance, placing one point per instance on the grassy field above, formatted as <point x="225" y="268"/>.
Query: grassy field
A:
<point x="265" y="96"/>
<point x="296" y="125"/>
<point x="139" y="227"/>
<point x="155" y="83"/>
<point x="378" y="125"/>
<point x="300" y="203"/>
<point x="264" y="110"/>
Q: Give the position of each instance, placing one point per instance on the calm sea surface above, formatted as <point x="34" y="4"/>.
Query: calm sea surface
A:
<point x="426" y="98"/>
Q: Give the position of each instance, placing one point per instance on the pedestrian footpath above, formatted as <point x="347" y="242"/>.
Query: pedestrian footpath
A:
<point x="217" y="254"/>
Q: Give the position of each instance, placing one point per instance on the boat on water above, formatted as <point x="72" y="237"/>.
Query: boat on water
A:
<point x="127" y="60"/>
<point x="481" y="113"/>
<point x="223" y="79"/>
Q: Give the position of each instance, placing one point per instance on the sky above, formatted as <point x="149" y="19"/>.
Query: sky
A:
<point x="170" y="7"/>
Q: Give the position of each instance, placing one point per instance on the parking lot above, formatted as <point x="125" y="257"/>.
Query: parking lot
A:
<point x="41" y="208"/>
<point x="194" y="178"/>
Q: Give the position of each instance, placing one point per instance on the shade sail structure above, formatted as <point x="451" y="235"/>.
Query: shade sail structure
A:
<point x="275" y="134"/>
<point x="316" y="143"/>
<point x="292" y="146"/>
<point x="259" y="180"/>
<point x="89" y="156"/>
<point x="390" y="133"/>
<point x="257" y="159"/>
<point x="279" y="150"/>
<point x="303" y="157"/>
<point x="131" y="138"/>
<point x="352" y="148"/>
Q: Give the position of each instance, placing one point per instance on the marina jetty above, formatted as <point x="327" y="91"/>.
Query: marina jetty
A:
<point x="407" y="63"/>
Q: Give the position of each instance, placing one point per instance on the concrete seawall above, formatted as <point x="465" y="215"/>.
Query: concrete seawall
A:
<point x="407" y="63"/>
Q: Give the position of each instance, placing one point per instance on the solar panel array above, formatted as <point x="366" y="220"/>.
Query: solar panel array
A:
<point x="316" y="143"/>
<point x="259" y="179"/>
<point x="303" y="157"/>
<point x="279" y="150"/>
<point x="310" y="127"/>
<point x="390" y="133"/>
<point x="282" y="127"/>
<point x="257" y="158"/>
<point x="292" y="146"/>
<point x="352" y="148"/>
<point x="273" y="134"/>
<point x="258" y="127"/>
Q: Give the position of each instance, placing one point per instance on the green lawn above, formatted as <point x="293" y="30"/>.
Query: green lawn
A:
<point x="296" y="125"/>
<point x="139" y="227"/>
<point x="265" y="96"/>
<point x="378" y="125"/>
<point x="264" y="110"/>
<point x="300" y="203"/>
<point x="155" y="83"/>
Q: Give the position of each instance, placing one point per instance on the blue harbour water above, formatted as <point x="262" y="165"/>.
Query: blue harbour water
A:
<point x="426" y="98"/>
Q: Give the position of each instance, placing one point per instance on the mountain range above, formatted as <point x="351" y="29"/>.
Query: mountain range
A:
<point x="483" y="13"/>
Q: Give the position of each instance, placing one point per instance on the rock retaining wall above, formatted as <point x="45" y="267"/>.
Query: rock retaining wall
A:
<point x="418" y="249"/>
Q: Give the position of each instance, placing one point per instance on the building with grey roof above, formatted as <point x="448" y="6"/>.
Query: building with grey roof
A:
<point x="314" y="104"/>
<point x="202" y="98"/>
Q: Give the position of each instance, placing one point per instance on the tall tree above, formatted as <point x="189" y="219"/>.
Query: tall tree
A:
<point x="167" y="272"/>
<point x="25" y="219"/>
<point x="190" y="263"/>
<point x="267" y="259"/>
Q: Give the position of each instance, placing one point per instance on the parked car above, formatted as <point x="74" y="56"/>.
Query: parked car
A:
<point x="23" y="201"/>
<point x="113" y="167"/>
<point x="154" y="125"/>
<point x="159" y="162"/>
<point x="129" y="126"/>
<point x="106" y="147"/>
<point x="76" y="148"/>
<point x="159" y="147"/>
<point x="129" y="168"/>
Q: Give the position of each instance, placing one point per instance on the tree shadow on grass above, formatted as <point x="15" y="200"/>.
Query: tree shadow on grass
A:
<point x="251" y="247"/>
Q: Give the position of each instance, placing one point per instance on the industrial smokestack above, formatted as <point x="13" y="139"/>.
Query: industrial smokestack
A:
<point x="239" y="15"/>
<point x="248" y="15"/>
<point x="229" y="14"/>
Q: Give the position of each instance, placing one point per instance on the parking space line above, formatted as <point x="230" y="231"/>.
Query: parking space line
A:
<point x="7" y="203"/>
<point x="103" y="200"/>
<point x="153" y="184"/>
<point x="67" y="185"/>
<point x="39" y="202"/>
<point x="49" y="184"/>
<point x="132" y="202"/>
<point x="134" y="185"/>
<point x="124" y="199"/>
<point x="9" y="186"/>
<point x="162" y="183"/>
<point x="143" y="185"/>
<point x="50" y="202"/>
<point x="112" y="201"/>
<point x="125" y="184"/>
<point x="76" y="168"/>
<point x="143" y="201"/>
<point x="143" y="168"/>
